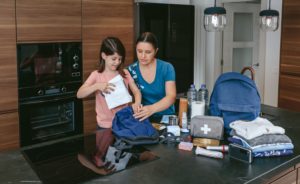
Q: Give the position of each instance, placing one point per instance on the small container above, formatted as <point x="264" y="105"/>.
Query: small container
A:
<point x="173" y="120"/>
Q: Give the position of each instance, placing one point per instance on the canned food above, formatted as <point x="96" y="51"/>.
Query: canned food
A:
<point x="173" y="120"/>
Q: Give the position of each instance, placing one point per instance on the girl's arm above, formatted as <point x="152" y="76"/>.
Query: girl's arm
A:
<point x="87" y="89"/>
<point x="161" y="105"/>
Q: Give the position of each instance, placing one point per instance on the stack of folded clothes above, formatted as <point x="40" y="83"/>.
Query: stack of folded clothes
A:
<point x="262" y="137"/>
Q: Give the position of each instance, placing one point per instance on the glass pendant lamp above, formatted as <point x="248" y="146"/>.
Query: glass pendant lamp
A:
<point x="214" y="18"/>
<point x="269" y="19"/>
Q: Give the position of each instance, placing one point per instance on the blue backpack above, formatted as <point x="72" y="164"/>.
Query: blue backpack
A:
<point x="131" y="131"/>
<point x="234" y="97"/>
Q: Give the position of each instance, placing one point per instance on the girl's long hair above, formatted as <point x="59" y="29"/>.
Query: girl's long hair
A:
<point x="110" y="46"/>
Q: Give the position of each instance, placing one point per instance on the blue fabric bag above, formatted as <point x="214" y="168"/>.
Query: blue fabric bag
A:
<point x="131" y="131"/>
<point x="234" y="97"/>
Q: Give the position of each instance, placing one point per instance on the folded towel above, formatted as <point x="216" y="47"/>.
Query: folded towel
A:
<point x="260" y="148"/>
<point x="255" y="128"/>
<point x="265" y="139"/>
<point x="272" y="153"/>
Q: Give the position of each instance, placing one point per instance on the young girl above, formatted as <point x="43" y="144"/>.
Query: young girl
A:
<point x="112" y="57"/>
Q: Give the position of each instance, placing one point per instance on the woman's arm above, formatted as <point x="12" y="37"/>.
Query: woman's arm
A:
<point x="161" y="105"/>
<point x="135" y="91"/>
<point x="137" y="96"/>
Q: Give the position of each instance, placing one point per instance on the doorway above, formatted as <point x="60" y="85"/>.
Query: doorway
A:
<point x="241" y="40"/>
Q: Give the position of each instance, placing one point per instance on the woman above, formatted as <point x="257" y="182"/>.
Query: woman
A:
<point x="155" y="79"/>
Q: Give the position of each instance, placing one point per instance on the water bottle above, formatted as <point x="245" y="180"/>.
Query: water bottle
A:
<point x="203" y="94"/>
<point x="191" y="96"/>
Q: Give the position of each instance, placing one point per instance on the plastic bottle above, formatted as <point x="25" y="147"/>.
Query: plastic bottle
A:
<point x="191" y="96"/>
<point x="203" y="94"/>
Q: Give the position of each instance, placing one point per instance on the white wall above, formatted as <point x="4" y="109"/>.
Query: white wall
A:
<point x="272" y="58"/>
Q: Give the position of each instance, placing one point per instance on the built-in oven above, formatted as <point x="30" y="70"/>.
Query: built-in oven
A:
<point x="49" y="75"/>
<point x="48" y="119"/>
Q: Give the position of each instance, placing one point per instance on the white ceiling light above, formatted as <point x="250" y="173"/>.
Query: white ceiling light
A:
<point x="214" y="18"/>
<point x="269" y="19"/>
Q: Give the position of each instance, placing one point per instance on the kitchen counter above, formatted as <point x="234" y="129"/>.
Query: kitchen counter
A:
<point x="177" y="166"/>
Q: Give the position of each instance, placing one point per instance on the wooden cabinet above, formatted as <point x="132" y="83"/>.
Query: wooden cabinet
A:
<point x="102" y="18"/>
<point x="48" y="20"/>
<point x="289" y="178"/>
<point x="289" y="79"/>
<point x="89" y="116"/>
<point x="8" y="63"/>
<point x="9" y="130"/>
<point x="9" y="122"/>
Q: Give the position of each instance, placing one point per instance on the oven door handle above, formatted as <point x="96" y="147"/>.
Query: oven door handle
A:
<point x="48" y="100"/>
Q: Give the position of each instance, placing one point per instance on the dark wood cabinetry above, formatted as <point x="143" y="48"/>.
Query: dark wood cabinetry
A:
<point x="89" y="21"/>
<point x="48" y="20"/>
<point x="89" y="116"/>
<point x="288" y="176"/>
<point x="8" y="64"/>
<point x="289" y="79"/>
<point x="102" y="18"/>
<point x="9" y="131"/>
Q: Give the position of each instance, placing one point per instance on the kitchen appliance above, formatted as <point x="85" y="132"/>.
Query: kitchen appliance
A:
<point x="49" y="75"/>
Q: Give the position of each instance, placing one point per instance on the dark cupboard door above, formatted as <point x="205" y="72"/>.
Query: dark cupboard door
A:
<point x="174" y="27"/>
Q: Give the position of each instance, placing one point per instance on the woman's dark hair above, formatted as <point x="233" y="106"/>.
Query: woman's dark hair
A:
<point x="149" y="38"/>
<point x="110" y="46"/>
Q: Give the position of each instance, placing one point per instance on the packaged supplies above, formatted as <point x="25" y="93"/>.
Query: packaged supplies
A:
<point x="119" y="96"/>
<point x="208" y="153"/>
<point x="211" y="127"/>
<point x="188" y="146"/>
<point x="203" y="142"/>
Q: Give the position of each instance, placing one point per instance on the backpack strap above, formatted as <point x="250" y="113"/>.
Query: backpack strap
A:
<point x="251" y="71"/>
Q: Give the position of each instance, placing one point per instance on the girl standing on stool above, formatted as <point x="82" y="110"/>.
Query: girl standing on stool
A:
<point x="112" y="57"/>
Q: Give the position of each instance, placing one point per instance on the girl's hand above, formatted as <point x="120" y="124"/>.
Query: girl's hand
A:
<point x="105" y="87"/>
<point x="136" y="107"/>
<point x="144" y="113"/>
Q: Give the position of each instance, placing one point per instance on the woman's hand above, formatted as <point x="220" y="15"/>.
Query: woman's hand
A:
<point x="105" y="87"/>
<point x="136" y="107"/>
<point x="144" y="112"/>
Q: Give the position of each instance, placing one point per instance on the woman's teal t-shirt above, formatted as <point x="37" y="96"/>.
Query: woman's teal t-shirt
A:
<point x="155" y="91"/>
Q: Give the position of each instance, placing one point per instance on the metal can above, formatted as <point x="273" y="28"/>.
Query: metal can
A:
<point x="173" y="120"/>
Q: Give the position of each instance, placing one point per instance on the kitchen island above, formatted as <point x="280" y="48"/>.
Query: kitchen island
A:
<point x="173" y="166"/>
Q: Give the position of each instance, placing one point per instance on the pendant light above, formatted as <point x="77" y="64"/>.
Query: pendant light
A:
<point x="269" y="19"/>
<point x="214" y="18"/>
